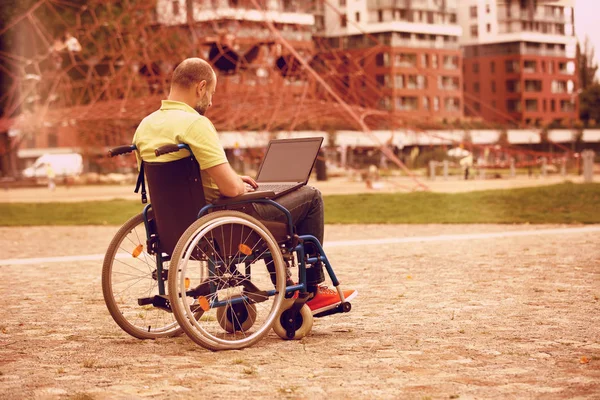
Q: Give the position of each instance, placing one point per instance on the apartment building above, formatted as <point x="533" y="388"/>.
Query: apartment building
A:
<point x="410" y="47"/>
<point x="237" y="28"/>
<point x="519" y="60"/>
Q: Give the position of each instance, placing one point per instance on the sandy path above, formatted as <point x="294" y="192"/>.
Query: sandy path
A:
<point x="484" y="318"/>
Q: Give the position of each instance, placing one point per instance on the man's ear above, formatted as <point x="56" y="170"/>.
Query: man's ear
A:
<point x="201" y="88"/>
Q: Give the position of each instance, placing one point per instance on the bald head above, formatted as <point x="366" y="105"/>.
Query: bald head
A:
<point x="194" y="83"/>
<point x="192" y="71"/>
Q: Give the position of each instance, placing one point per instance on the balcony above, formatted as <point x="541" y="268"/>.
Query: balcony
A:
<point x="531" y="105"/>
<point x="533" y="86"/>
<point x="567" y="106"/>
<point x="529" y="67"/>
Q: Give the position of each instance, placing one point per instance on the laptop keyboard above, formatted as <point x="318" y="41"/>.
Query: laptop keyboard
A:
<point x="273" y="187"/>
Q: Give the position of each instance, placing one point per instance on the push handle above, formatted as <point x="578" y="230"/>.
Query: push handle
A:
<point x="121" y="150"/>
<point x="170" y="148"/>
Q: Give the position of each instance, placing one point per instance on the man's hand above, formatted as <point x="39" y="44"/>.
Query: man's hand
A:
<point x="249" y="183"/>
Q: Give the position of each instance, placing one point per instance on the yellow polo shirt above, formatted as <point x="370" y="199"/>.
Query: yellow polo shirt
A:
<point x="174" y="123"/>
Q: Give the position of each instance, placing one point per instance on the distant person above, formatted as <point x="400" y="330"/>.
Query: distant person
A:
<point x="466" y="163"/>
<point x="181" y="119"/>
<point x="51" y="175"/>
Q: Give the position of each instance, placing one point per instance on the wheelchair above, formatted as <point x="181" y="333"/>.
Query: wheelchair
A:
<point x="212" y="271"/>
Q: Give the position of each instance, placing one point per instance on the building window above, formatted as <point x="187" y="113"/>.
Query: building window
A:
<point x="399" y="81"/>
<point x="476" y="87"/>
<point x="436" y="104"/>
<point x="383" y="81"/>
<point x="512" y="66"/>
<point x="531" y="105"/>
<point x="474" y="31"/>
<point x="473" y="11"/>
<point x="434" y="63"/>
<point x="513" y="86"/>
<point x="175" y="7"/>
<point x="487" y="8"/>
<point x="492" y="67"/>
<point x="529" y="66"/>
<point x="558" y="86"/>
<point x="552" y="105"/>
<point x="52" y="140"/>
<point x="424" y="61"/>
<point x="357" y="17"/>
<point x="426" y="103"/>
<point x="380" y="16"/>
<point x="477" y="106"/>
<point x="405" y="60"/>
<point x="533" y="86"/>
<point x="513" y="105"/>
<point x="451" y="62"/>
<point x="475" y="68"/>
<point x="489" y="28"/>
<point x="407" y="103"/>
<point x="493" y="86"/>
<point x="343" y="20"/>
<point x="342" y="3"/>
<point x="382" y="60"/>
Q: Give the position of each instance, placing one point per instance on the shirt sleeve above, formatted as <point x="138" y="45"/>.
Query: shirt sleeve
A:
<point x="203" y="140"/>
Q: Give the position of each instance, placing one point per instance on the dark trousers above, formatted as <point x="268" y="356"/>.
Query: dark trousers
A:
<point x="306" y="207"/>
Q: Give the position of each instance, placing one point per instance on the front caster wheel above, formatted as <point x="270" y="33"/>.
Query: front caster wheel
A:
<point x="301" y="324"/>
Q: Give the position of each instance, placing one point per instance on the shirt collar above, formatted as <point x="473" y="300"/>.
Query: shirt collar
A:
<point x="176" y="105"/>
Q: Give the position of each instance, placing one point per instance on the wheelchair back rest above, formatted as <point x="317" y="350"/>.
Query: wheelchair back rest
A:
<point x="177" y="195"/>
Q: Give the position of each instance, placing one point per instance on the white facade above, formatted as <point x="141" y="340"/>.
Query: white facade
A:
<point x="174" y="12"/>
<point x="428" y="17"/>
<point x="549" y="23"/>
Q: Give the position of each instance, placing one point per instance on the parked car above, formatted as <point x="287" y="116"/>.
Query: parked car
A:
<point x="63" y="165"/>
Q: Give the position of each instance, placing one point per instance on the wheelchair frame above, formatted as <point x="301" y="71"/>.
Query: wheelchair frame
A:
<point x="297" y="245"/>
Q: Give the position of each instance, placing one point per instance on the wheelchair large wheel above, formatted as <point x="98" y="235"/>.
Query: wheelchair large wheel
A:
<point x="230" y="270"/>
<point x="128" y="274"/>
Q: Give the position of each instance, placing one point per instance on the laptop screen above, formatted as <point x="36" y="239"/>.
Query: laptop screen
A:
<point x="289" y="160"/>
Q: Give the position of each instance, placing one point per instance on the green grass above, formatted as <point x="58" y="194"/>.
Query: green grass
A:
<point x="565" y="203"/>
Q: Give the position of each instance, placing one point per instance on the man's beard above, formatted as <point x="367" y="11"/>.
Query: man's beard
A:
<point x="200" y="109"/>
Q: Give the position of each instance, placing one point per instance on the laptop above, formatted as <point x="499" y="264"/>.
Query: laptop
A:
<point x="287" y="165"/>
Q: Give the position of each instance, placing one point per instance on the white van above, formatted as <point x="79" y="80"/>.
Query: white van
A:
<point x="62" y="165"/>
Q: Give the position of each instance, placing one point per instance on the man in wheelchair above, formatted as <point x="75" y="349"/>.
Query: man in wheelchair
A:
<point x="181" y="119"/>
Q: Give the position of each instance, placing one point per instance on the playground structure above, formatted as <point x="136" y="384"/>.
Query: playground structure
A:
<point x="83" y="74"/>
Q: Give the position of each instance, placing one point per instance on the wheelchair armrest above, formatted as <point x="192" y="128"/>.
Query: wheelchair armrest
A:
<point x="222" y="201"/>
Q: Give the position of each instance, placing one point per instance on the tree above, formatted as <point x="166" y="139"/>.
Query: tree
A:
<point x="586" y="64"/>
<point x="589" y="97"/>
<point x="589" y="103"/>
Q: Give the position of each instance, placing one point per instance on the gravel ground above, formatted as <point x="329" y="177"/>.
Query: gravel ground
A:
<point x="513" y="317"/>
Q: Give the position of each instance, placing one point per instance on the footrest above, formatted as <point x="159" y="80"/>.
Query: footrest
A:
<point x="340" y="308"/>
<point x="158" y="301"/>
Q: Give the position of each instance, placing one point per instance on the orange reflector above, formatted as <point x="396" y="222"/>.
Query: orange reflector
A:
<point x="137" y="251"/>
<point x="244" y="249"/>
<point x="187" y="283"/>
<point x="203" y="303"/>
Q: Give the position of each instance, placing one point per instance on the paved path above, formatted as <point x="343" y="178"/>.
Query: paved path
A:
<point x="498" y="314"/>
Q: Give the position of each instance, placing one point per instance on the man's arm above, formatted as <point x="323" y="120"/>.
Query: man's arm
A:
<point x="230" y="184"/>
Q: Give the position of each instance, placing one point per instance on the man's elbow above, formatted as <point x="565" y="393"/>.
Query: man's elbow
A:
<point x="232" y="190"/>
